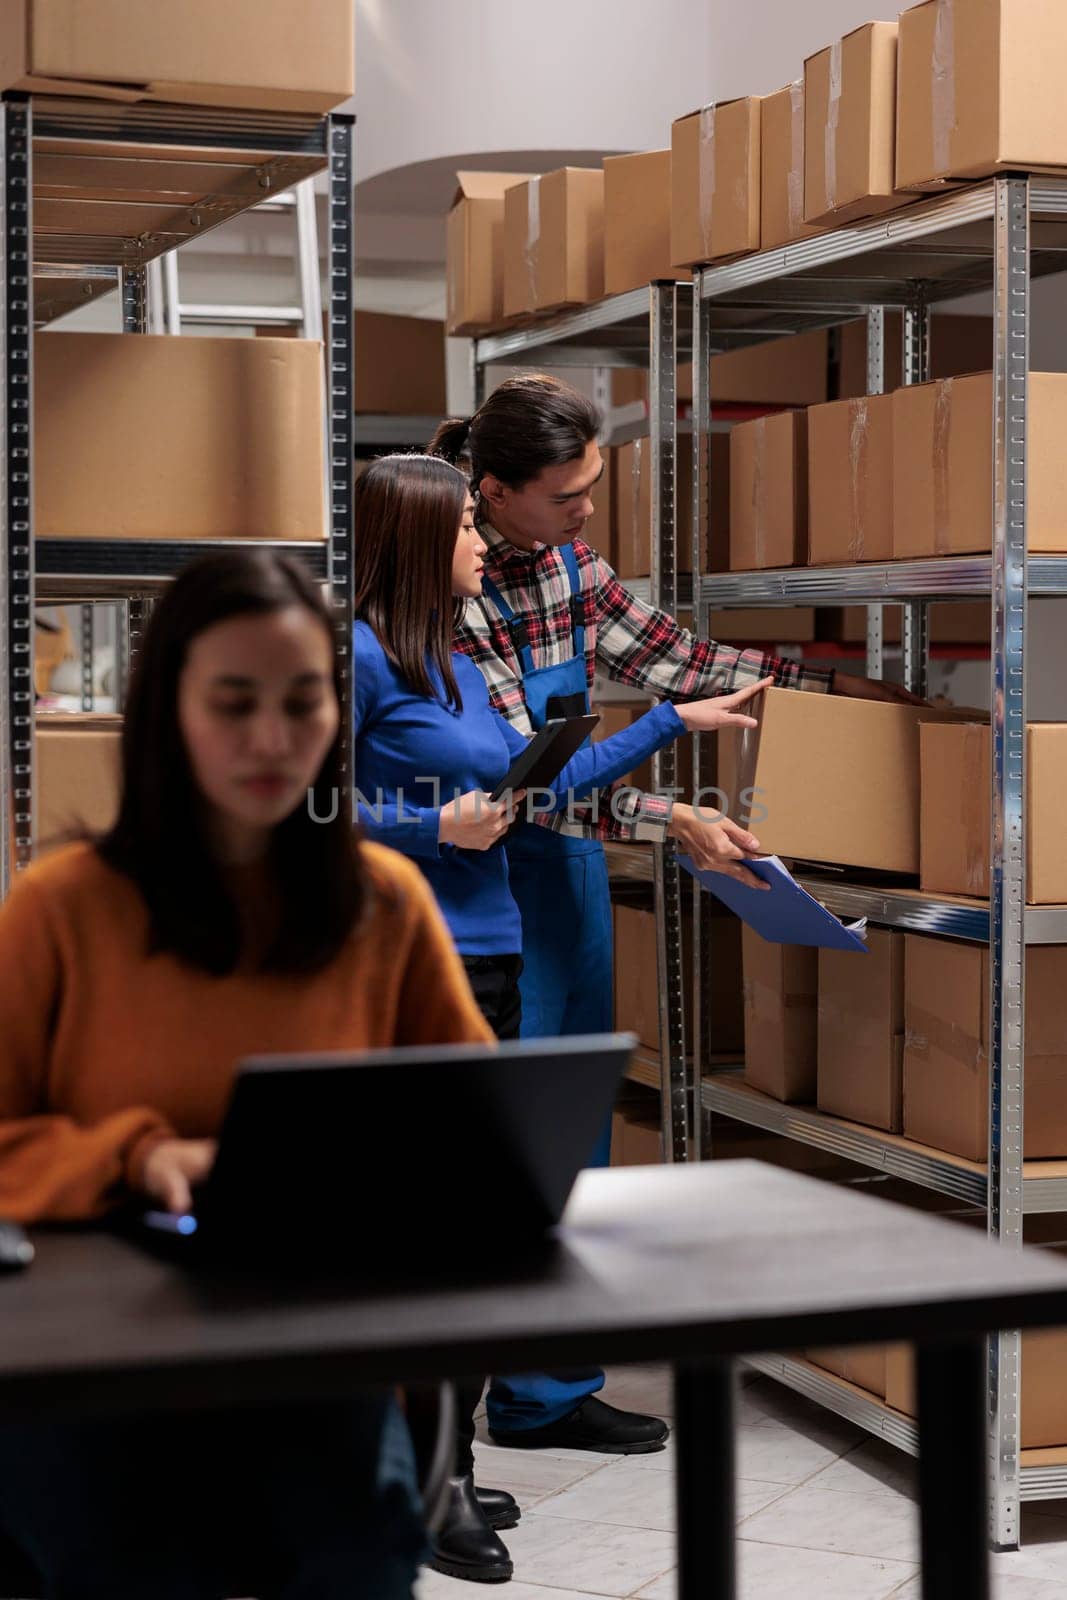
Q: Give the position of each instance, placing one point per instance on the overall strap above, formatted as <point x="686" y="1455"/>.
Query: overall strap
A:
<point x="520" y="634"/>
<point x="570" y="561"/>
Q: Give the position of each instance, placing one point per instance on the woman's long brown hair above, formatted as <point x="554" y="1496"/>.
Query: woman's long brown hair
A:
<point x="408" y="510"/>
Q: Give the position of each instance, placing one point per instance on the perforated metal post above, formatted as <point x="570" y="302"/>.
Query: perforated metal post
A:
<point x="875" y="385"/>
<point x="703" y="766"/>
<point x="16" y="535"/>
<point x="915" y="632"/>
<point x="86" y="623"/>
<point x="135" y="300"/>
<point x="341" y="426"/>
<point x="663" y="451"/>
<point x="1011" y="359"/>
<point x="138" y="611"/>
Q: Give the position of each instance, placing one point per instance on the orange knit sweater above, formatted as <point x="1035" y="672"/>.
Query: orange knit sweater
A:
<point x="105" y="1050"/>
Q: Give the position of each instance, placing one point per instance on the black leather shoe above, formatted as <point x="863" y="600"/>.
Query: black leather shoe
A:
<point x="593" y="1426"/>
<point x="501" y="1509"/>
<point x="465" y="1546"/>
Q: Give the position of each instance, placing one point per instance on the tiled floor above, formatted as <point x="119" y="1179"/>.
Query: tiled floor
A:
<point x="824" y="1513"/>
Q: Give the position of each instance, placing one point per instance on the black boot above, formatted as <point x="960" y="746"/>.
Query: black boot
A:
<point x="465" y="1546"/>
<point x="501" y="1509"/>
<point x="592" y="1426"/>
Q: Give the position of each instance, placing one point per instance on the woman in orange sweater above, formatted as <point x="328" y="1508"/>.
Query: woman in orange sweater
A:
<point x="216" y="920"/>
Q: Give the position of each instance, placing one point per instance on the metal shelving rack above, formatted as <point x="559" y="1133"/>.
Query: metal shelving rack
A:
<point x="645" y="328"/>
<point x="1003" y="232"/>
<point x="91" y="194"/>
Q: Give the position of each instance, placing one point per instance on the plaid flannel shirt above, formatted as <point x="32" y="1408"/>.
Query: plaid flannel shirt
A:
<point x="632" y="642"/>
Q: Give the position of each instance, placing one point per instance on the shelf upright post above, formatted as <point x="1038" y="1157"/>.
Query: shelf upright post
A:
<point x="1011" y="361"/>
<point x="703" y="1019"/>
<point x="86" y="620"/>
<point x="16" y="493"/>
<point x="916" y="630"/>
<point x="138" y="607"/>
<point x="341" y="425"/>
<point x="875" y="385"/>
<point x="663" y="450"/>
<point x="477" y="379"/>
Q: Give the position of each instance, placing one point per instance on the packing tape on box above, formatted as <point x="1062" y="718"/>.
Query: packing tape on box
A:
<point x="926" y="1033"/>
<point x="759" y="490"/>
<point x="533" y="237"/>
<point x="858" y="440"/>
<point x="940" y="441"/>
<point x="974" y="813"/>
<point x="943" y="86"/>
<point x="795" y="181"/>
<point x="833" y="117"/>
<point x="707" y="176"/>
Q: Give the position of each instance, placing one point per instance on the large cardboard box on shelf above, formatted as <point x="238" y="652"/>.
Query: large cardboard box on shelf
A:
<point x="162" y="438"/>
<point x="865" y="1365"/>
<point x="715" y="182"/>
<point x="636" y="1138"/>
<point x="769" y="492"/>
<point x="246" y="53"/>
<point x="849" y="127"/>
<point x="633" y="509"/>
<point x="943" y="466"/>
<point x="780" y="372"/>
<point x="554" y="241"/>
<point x="955" y="823"/>
<point x="474" y="252"/>
<point x="861" y="1032"/>
<point x="955" y="622"/>
<point x="834" y="779"/>
<point x="782" y="168"/>
<point x="763" y="626"/>
<point x="637" y="978"/>
<point x="400" y="365"/>
<point x="980" y="90"/>
<point x="637" y="220"/>
<point x="946" y="1048"/>
<point x="1042" y="1390"/>
<point x="78" y="776"/>
<point x="850" y="481"/>
<point x="958" y="344"/>
<point x="781" y="987"/>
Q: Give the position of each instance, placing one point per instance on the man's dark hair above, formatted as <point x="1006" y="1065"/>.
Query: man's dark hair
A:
<point x="525" y="425"/>
<point x="160" y="839"/>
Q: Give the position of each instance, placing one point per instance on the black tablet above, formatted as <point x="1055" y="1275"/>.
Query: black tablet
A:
<point x="546" y="754"/>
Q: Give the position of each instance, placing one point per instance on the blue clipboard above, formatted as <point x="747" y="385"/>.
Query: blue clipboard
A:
<point x="787" y="914"/>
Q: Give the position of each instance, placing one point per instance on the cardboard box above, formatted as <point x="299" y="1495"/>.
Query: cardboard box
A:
<point x="943" y="466"/>
<point x="715" y="183"/>
<point x="637" y="220"/>
<point x="78" y="776"/>
<point x="474" y="251"/>
<point x="864" y="1365"/>
<point x="636" y="1138"/>
<point x="835" y="779"/>
<point x="980" y="90"/>
<point x="782" y="168"/>
<point x="633" y="509"/>
<point x="861" y="1032"/>
<point x="951" y="622"/>
<point x="955" y="815"/>
<point x="637" y="978"/>
<point x="958" y="345"/>
<point x="769" y="492"/>
<point x="849" y="127"/>
<point x="270" y="53"/>
<point x="946" y="1048"/>
<point x="768" y="625"/>
<point x="782" y="372"/>
<point x="781" y="986"/>
<point x="163" y="438"/>
<point x="554" y="241"/>
<point x="400" y="365"/>
<point x="850" y="481"/>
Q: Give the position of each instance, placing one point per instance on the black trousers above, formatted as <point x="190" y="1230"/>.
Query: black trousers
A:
<point x="495" y="983"/>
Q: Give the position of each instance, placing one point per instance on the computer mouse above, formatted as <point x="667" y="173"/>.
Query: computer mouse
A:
<point x="15" y="1248"/>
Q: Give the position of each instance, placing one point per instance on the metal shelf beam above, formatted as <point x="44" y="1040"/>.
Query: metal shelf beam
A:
<point x="611" y="333"/>
<point x="75" y="568"/>
<point x="879" y="583"/>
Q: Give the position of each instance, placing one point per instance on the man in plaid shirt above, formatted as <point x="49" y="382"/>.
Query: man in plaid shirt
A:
<point x="551" y="612"/>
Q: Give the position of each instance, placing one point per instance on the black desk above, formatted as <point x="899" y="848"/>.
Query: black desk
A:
<point x="692" y="1265"/>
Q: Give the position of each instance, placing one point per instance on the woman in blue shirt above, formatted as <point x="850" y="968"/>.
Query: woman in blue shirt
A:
<point x="429" y="752"/>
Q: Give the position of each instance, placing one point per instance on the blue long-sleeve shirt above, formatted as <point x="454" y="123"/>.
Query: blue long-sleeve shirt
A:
<point x="414" y="754"/>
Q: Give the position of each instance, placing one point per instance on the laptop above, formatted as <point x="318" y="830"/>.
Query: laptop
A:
<point x="425" y="1154"/>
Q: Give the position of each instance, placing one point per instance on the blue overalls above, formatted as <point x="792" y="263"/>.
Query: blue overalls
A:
<point x="561" y="886"/>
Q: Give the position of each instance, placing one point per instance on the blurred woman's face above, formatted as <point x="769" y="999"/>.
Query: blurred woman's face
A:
<point x="467" y="557"/>
<point x="258" y="713"/>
